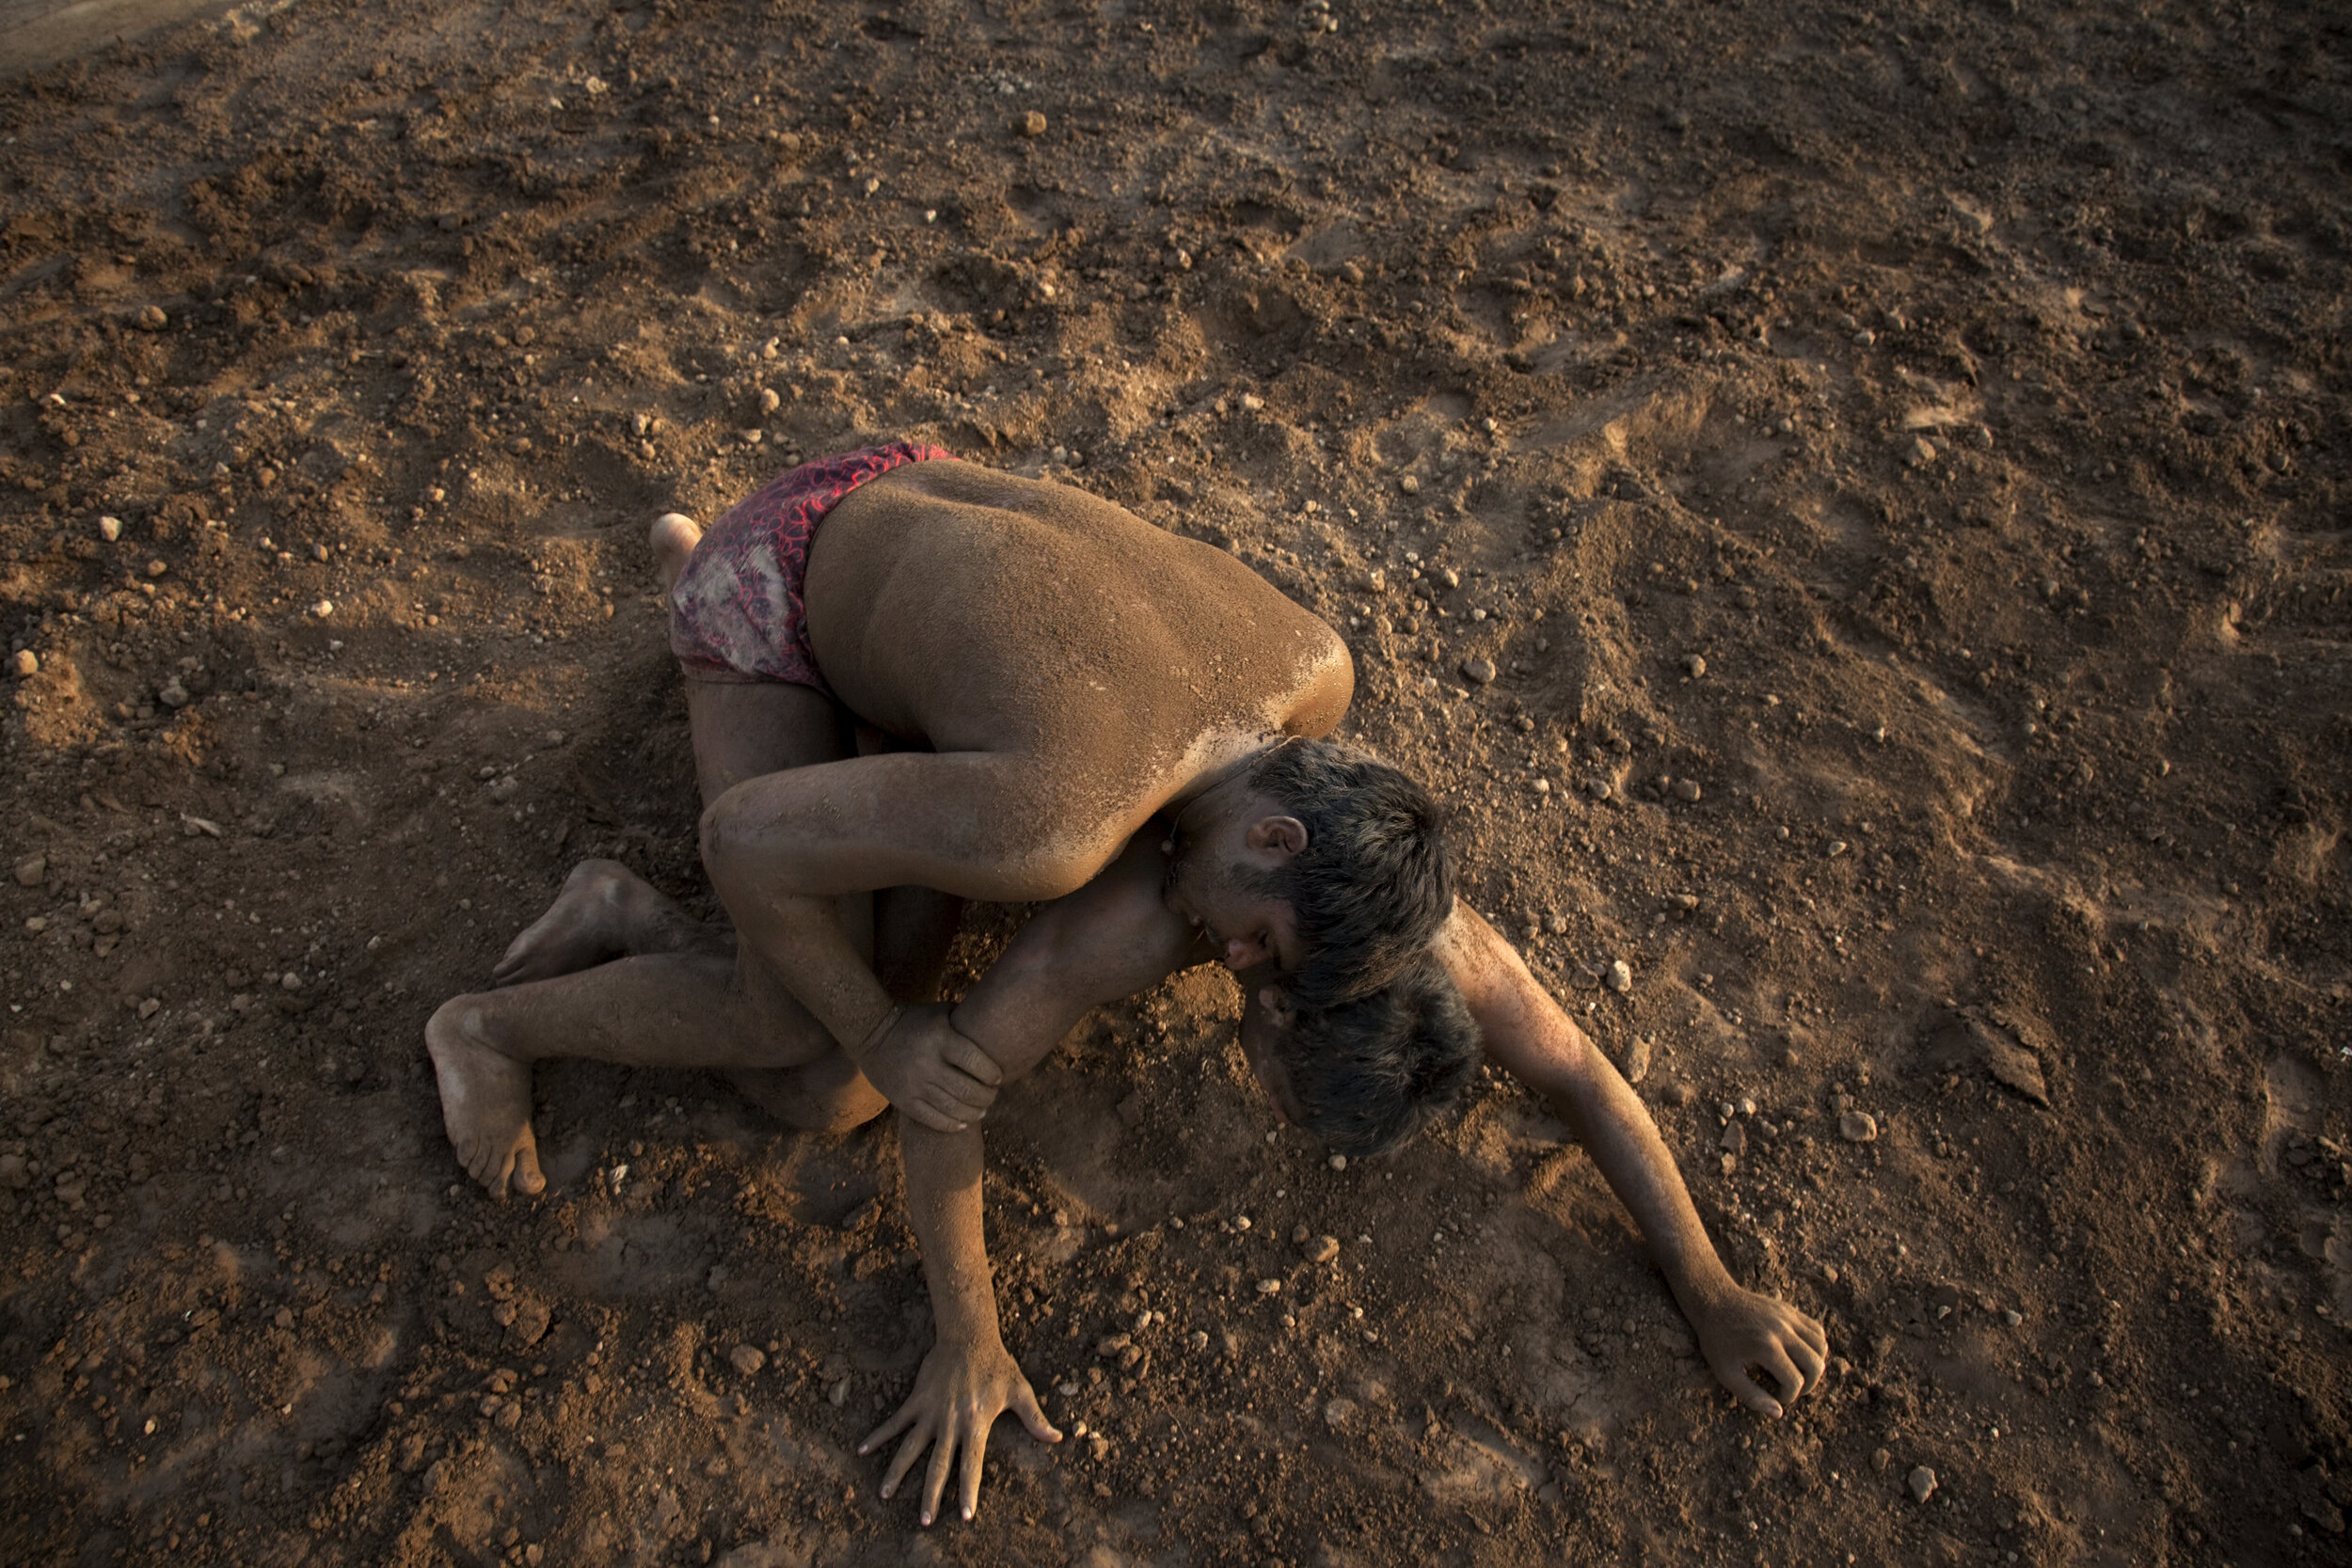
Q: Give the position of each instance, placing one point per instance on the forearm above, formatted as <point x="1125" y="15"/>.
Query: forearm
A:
<point x="804" y="941"/>
<point x="1623" y="1142"/>
<point x="943" y="1188"/>
<point x="1526" y="1034"/>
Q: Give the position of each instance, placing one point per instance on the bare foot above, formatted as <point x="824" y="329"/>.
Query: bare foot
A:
<point x="486" y="1100"/>
<point x="673" y="536"/>
<point x="605" y="909"/>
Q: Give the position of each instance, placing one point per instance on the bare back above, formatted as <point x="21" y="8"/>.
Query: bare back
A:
<point x="979" y="611"/>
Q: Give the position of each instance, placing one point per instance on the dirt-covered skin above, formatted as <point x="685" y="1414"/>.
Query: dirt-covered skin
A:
<point x="1918" y="434"/>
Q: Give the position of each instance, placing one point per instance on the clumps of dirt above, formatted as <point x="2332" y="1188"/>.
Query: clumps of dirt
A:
<point x="1844" y="504"/>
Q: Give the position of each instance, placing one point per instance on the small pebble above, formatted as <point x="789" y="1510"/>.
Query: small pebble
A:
<point x="1597" y="789"/>
<point x="1410" y="484"/>
<point x="1695" y="666"/>
<point x="1685" y="789"/>
<point x="32" y="870"/>
<point x="1478" y="671"/>
<point x="153" y="319"/>
<point x="172" y="694"/>
<point x="110" y="528"/>
<point x="1857" y="1126"/>
<point x="1269" y="1287"/>
<point x="2012" y="1316"/>
<point x="26" y="662"/>
<point x="1323" y="1249"/>
<point x="1339" y="1162"/>
<point x="1922" y="1482"/>
<point x="769" y="400"/>
<point x="323" y="609"/>
<point x="1448" y="576"/>
<point x="1031" y="124"/>
<point x="1620" y="976"/>
<point x="1251" y="402"/>
<point x="747" y="1359"/>
<point x="1637" y="1060"/>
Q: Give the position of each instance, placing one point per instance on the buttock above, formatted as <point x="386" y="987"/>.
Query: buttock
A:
<point x="737" y="613"/>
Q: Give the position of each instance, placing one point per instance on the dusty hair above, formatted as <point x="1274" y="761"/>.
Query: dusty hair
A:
<point x="1369" y="1074"/>
<point x="1376" y="880"/>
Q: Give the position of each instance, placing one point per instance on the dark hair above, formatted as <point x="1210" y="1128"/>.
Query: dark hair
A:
<point x="1376" y="880"/>
<point x="1367" y="1074"/>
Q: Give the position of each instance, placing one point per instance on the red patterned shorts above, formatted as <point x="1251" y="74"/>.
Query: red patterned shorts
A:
<point x="736" y="611"/>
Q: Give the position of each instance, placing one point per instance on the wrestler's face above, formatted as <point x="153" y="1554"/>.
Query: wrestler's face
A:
<point x="1217" y="881"/>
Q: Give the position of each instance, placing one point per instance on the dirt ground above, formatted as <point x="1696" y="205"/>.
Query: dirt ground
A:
<point x="1847" y="504"/>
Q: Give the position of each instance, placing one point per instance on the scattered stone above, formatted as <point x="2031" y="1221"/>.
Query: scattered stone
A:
<point x="1920" y="452"/>
<point x="1695" y="666"/>
<point x="1597" y="789"/>
<point x="158" y="568"/>
<point x="153" y="318"/>
<point x="1031" y="125"/>
<point x="1323" y="1249"/>
<point x="747" y="1359"/>
<point x="1687" y="789"/>
<point x="769" y="400"/>
<point x="32" y="871"/>
<point x="1269" y="1287"/>
<point x="1339" y="1414"/>
<point x="1922" y="1482"/>
<point x="110" y="528"/>
<point x="1478" y="671"/>
<point x="1339" y="1162"/>
<point x="323" y="609"/>
<point x="1829" y="1273"/>
<point x="1409" y="484"/>
<point x="26" y="662"/>
<point x="1620" y="976"/>
<point x="172" y="694"/>
<point x="2012" y="1316"/>
<point x="1448" y="576"/>
<point x="1251" y="402"/>
<point x="1858" y="1127"/>
<point x="1735" y="1138"/>
<point x="1637" y="1060"/>
<point x="1837" y="846"/>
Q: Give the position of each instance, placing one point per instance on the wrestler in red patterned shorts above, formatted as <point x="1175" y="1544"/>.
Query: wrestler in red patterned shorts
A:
<point x="735" y="611"/>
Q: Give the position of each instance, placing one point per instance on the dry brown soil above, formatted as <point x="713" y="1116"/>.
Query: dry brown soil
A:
<point x="1891" y="464"/>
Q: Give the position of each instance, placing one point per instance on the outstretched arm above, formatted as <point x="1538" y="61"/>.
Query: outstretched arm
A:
<point x="1526" y="1032"/>
<point x="1108" y="940"/>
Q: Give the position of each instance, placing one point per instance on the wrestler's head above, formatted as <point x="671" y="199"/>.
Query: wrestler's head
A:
<point x="1325" y="862"/>
<point x="1366" y="1074"/>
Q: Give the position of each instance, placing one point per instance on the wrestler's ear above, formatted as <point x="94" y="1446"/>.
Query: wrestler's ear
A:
<point x="1275" y="839"/>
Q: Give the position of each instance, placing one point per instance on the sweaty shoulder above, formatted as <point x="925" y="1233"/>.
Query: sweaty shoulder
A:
<point x="979" y="608"/>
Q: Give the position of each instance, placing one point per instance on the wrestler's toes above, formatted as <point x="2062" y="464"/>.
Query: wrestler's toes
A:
<point x="527" y="1179"/>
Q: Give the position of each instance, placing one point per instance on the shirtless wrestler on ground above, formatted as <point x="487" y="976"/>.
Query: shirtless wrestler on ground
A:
<point x="1093" y="715"/>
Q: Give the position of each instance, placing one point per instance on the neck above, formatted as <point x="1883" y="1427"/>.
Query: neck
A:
<point x="1224" y="763"/>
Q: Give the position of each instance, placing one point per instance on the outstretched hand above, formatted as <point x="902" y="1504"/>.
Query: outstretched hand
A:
<point x="933" y="1073"/>
<point x="957" y="1396"/>
<point x="1742" y="1331"/>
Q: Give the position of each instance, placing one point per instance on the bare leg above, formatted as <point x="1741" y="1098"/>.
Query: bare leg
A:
<point x="681" y="999"/>
<point x="694" y="1009"/>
